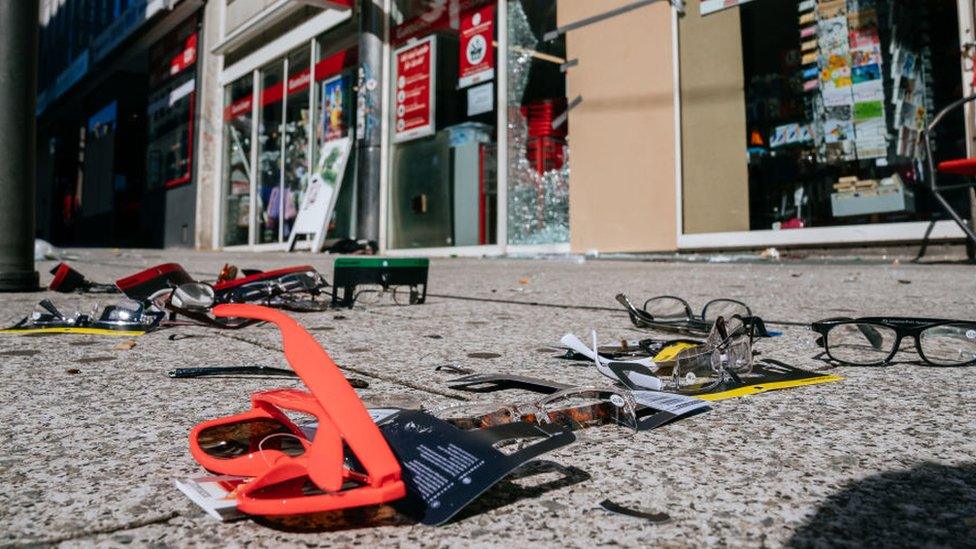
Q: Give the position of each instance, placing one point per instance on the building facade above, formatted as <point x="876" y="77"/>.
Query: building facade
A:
<point x="116" y="115"/>
<point x="505" y="126"/>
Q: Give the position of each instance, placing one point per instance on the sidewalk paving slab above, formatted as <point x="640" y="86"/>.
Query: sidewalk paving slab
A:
<point x="90" y="457"/>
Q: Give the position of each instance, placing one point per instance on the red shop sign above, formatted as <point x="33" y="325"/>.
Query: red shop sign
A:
<point x="477" y="52"/>
<point x="241" y="107"/>
<point x="298" y="82"/>
<point x="185" y="58"/>
<point x="415" y="90"/>
<point x="440" y="14"/>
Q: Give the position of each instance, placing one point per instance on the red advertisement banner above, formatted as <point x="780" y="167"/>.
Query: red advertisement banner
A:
<point x="477" y="56"/>
<point x="414" y="90"/>
<point x="440" y="14"/>
<point x="185" y="58"/>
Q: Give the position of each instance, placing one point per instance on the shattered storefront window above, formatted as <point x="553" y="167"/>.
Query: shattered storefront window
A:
<point x="538" y="152"/>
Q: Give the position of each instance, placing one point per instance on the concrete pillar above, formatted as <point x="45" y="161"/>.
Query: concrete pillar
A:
<point x="209" y="124"/>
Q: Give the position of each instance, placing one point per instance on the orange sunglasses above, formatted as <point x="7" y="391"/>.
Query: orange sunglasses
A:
<point x="293" y="475"/>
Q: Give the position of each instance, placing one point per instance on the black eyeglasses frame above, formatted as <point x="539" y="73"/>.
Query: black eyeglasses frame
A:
<point x="903" y="326"/>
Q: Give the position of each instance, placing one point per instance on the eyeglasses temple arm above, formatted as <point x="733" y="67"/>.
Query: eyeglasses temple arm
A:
<point x="872" y="335"/>
<point x="635" y="313"/>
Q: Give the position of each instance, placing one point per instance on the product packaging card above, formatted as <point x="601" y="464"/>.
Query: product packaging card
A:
<point x="869" y="91"/>
<point x="866" y="73"/>
<point x="655" y="408"/>
<point x="215" y="494"/>
<point x="446" y="468"/>
<point x="868" y="110"/>
<point x="833" y="9"/>
<point x="834" y="35"/>
<point x="838" y="131"/>
<point x="767" y="375"/>
<point x="867" y="55"/>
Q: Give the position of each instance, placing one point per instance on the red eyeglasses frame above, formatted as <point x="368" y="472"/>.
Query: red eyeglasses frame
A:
<point x="343" y="421"/>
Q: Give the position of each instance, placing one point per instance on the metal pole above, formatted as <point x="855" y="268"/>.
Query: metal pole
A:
<point x="967" y="38"/>
<point x="368" y="128"/>
<point x="18" y="88"/>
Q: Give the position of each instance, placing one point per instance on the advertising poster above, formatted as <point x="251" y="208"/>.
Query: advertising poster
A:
<point x="186" y="58"/>
<point x="414" y="64"/>
<point x="319" y="200"/>
<point x="334" y="108"/>
<point x="477" y="55"/>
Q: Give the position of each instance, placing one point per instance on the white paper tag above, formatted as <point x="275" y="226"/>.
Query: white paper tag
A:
<point x="644" y="381"/>
<point x="678" y="405"/>
<point x="481" y="99"/>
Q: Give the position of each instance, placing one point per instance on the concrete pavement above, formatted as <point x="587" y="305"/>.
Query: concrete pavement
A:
<point x="91" y="437"/>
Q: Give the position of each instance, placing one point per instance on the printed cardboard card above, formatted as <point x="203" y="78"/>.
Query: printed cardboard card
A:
<point x="446" y="468"/>
<point x="868" y="55"/>
<point x="834" y="98"/>
<point x="866" y="73"/>
<point x="768" y="375"/>
<point x="868" y="110"/>
<point x="863" y="19"/>
<point x="872" y="90"/>
<point x="215" y="494"/>
<point x="833" y="9"/>
<point x="834" y="35"/>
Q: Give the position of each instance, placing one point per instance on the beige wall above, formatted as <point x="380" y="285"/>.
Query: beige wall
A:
<point x="210" y="125"/>
<point x="622" y="152"/>
<point x="713" y="122"/>
<point x="239" y="11"/>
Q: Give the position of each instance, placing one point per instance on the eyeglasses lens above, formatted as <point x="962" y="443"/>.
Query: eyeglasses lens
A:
<point x="405" y="295"/>
<point x="725" y="308"/>
<point x="949" y="344"/>
<point x="300" y="282"/>
<point x="369" y="295"/>
<point x="667" y="309"/>
<point x="195" y="296"/>
<point x="237" y="439"/>
<point x="861" y="343"/>
<point x="124" y="311"/>
<point x="476" y="415"/>
<point x="695" y="370"/>
<point x="592" y="415"/>
<point x="255" y="291"/>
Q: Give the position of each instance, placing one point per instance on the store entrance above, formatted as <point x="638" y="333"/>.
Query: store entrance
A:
<point x="835" y="97"/>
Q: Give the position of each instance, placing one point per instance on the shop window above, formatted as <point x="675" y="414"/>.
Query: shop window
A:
<point x="832" y="97"/>
<point x="443" y="124"/>
<point x="297" y="115"/>
<point x="335" y="115"/>
<point x="238" y="109"/>
<point x="296" y="151"/>
<point x="538" y="133"/>
<point x="171" y="108"/>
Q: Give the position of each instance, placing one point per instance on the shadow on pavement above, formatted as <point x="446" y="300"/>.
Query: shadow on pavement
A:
<point x="336" y="521"/>
<point x="929" y="505"/>
<point x="531" y="481"/>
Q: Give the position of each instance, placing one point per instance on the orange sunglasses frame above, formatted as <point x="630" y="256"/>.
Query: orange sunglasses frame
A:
<point x="343" y="419"/>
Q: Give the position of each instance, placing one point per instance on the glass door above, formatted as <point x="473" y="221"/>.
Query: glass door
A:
<point x="296" y="137"/>
<point x="270" y="130"/>
<point x="238" y="109"/>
